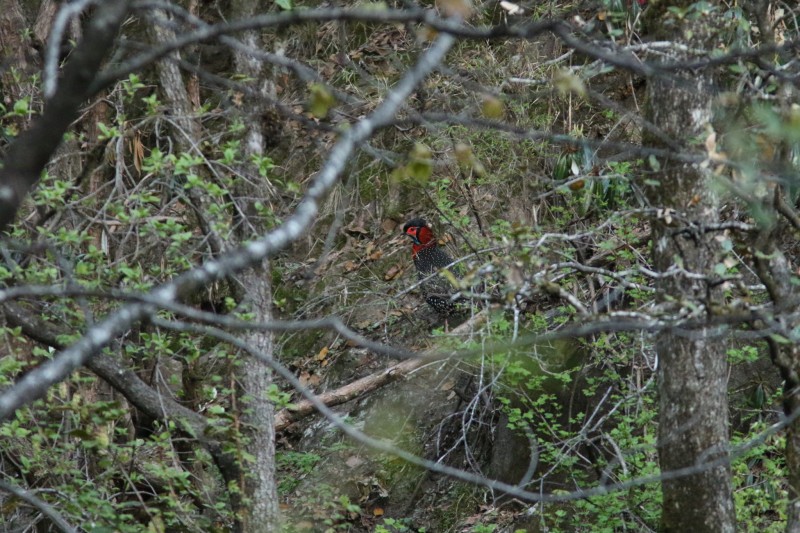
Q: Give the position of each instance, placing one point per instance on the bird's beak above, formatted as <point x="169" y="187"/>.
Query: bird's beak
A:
<point x="412" y="237"/>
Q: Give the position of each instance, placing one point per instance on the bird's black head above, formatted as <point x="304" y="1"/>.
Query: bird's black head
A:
<point x="415" y="223"/>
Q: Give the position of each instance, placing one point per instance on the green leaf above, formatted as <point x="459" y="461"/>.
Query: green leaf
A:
<point x="285" y="4"/>
<point x="492" y="108"/>
<point x="320" y="101"/>
<point x="21" y="107"/>
<point x="420" y="167"/>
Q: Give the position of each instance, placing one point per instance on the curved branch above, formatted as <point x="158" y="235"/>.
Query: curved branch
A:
<point x="42" y="506"/>
<point x="283" y="20"/>
<point x="29" y="153"/>
<point x="136" y="391"/>
<point x="703" y="465"/>
<point x="34" y="385"/>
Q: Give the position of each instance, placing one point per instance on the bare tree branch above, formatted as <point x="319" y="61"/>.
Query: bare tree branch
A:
<point x="136" y="391"/>
<point x="30" y="152"/>
<point x="42" y="506"/>
<point x="516" y="491"/>
<point x="63" y="17"/>
<point x="367" y="384"/>
<point x="34" y="385"/>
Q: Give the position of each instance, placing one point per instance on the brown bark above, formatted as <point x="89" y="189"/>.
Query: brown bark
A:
<point x="44" y="20"/>
<point x="348" y="392"/>
<point x="137" y="392"/>
<point x="692" y="370"/>
<point x="30" y="152"/>
<point x="16" y="55"/>
<point x="188" y="130"/>
<point x="367" y="384"/>
<point x="775" y="272"/>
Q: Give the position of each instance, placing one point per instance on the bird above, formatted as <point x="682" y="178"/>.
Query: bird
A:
<point x="429" y="258"/>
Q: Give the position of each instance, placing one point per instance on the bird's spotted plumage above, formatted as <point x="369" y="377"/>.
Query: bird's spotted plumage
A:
<point x="429" y="259"/>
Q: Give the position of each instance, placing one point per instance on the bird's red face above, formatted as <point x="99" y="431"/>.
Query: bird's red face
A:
<point x="421" y="236"/>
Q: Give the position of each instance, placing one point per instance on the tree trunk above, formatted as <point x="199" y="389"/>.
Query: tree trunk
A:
<point x="27" y="155"/>
<point x="254" y="376"/>
<point x="692" y="369"/>
<point x="776" y="272"/>
<point x="16" y="51"/>
<point x="258" y="415"/>
<point x="257" y="508"/>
